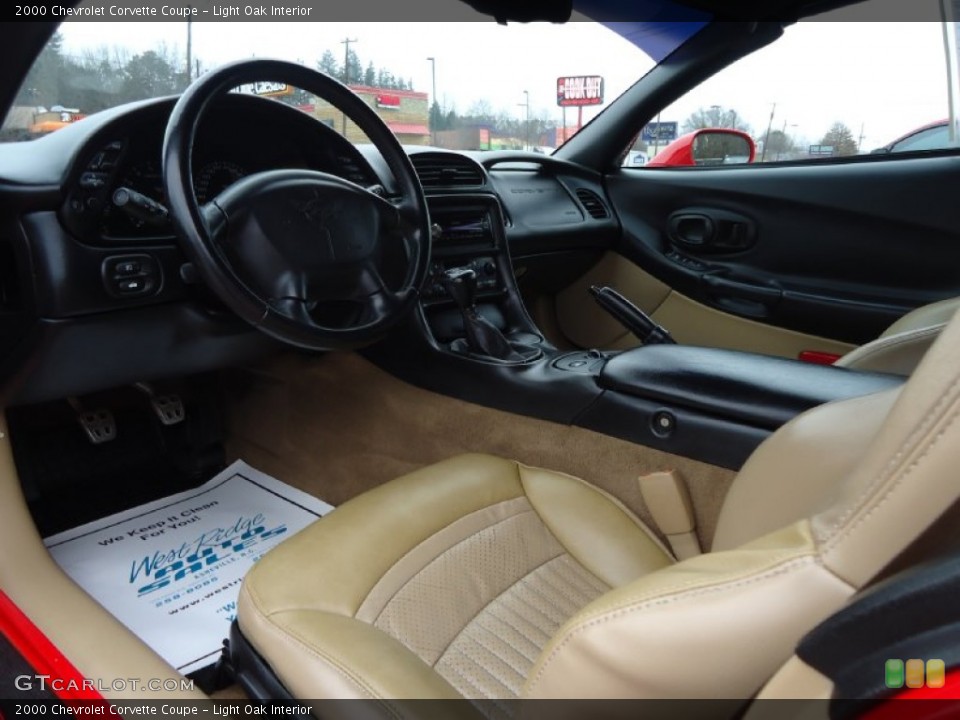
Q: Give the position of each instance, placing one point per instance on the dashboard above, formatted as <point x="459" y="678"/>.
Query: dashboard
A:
<point x="94" y="295"/>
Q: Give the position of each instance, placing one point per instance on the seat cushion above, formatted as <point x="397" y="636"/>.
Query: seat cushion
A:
<point x="444" y="583"/>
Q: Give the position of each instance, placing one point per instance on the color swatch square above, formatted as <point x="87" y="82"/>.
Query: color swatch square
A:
<point x="893" y="673"/>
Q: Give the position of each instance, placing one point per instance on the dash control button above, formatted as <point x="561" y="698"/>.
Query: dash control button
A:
<point x="130" y="286"/>
<point x="130" y="276"/>
<point x="128" y="267"/>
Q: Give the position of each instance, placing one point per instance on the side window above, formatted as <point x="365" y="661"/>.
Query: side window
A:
<point x="828" y="88"/>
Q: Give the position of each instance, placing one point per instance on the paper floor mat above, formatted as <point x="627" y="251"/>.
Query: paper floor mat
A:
<point x="170" y="570"/>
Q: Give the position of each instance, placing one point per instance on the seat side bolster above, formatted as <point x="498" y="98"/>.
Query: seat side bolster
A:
<point x="91" y="639"/>
<point x="907" y="477"/>
<point x="898" y="354"/>
<point x="796" y="472"/>
<point x="697" y="614"/>
<point x="925" y="316"/>
<point x="594" y="527"/>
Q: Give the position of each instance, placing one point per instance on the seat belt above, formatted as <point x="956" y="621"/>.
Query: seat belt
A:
<point x="666" y="497"/>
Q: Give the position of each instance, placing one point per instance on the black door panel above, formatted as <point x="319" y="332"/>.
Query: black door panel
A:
<point x="840" y="249"/>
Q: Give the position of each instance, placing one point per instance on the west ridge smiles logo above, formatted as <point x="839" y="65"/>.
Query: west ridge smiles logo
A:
<point x="212" y="546"/>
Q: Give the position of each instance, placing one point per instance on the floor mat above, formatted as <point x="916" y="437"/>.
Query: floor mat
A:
<point x="170" y="570"/>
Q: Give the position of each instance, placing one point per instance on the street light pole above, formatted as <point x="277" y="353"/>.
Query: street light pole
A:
<point x="526" y="129"/>
<point x="433" y="100"/>
<point x="346" y="72"/>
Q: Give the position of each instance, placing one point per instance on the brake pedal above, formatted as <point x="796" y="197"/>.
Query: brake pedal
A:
<point x="168" y="408"/>
<point x="99" y="425"/>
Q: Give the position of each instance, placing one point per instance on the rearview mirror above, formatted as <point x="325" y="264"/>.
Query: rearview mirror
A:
<point x="555" y="11"/>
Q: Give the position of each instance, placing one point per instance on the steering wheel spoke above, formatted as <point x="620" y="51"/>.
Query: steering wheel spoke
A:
<point x="215" y="221"/>
<point x="282" y="246"/>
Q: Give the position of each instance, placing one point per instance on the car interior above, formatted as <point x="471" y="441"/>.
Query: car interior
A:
<point x="583" y="425"/>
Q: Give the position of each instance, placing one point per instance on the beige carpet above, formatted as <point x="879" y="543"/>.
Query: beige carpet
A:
<point x="336" y="425"/>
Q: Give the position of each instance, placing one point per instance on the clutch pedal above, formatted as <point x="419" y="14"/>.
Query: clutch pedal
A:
<point x="99" y="425"/>
<point x="168" y="408"/>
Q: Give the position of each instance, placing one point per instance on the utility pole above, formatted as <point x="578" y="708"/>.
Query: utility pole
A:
<point x="766" y="139"/>
<point x="863" y="126"/>
<point x="433" y="99"/>
<point x="346" y="72"/>
<point x="189" y="50"/>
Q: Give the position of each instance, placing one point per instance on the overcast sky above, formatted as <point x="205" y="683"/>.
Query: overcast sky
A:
<point x="886" y="78"/>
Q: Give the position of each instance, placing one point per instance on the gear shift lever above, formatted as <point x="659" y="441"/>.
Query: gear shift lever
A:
<point x="483" y="338"/>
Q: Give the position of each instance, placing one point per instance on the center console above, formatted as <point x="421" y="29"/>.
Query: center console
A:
<point x="473" y="339"/>
<point x="470" y="301"/>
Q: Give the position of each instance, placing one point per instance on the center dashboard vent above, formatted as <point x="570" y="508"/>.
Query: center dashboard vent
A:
<point x="438" y="170"/>
<point x="592" y="204"/>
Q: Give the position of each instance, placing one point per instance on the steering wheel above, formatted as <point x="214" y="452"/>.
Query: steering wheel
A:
<point x="307" y="257"/>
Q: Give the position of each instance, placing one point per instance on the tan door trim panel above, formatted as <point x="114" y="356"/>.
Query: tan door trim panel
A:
<point x="691" y="323"/>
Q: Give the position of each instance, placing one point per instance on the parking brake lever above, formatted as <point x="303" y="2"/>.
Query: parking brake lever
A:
<point x="631" y="317"/>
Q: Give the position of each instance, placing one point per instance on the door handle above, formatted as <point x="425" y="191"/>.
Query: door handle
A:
<point x="692" y="230"/>
<point x="710" y="230"/>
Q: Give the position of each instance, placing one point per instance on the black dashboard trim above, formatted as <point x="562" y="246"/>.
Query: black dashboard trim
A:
<point x="76" y="356"/>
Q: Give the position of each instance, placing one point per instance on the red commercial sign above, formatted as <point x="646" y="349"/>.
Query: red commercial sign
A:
<point x="388" y="102"/>
<point x="580" y="90"/>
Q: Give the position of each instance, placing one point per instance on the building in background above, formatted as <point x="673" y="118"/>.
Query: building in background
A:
<point x="405" y="112"/>
<point x="27" y="122"/>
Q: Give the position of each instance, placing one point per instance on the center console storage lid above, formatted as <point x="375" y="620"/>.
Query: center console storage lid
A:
<point x="759" y="390"/>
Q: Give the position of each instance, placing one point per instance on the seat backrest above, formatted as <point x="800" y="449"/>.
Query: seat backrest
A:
<point x="881" y="470"/>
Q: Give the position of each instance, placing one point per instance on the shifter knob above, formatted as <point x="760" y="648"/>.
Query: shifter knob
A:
<point x="461" y="283"/>
<point x="483" y="338"/>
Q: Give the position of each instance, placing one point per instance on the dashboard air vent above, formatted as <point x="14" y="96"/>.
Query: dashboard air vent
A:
<point x="592" y="204"/>
<point x="446" y="170"/>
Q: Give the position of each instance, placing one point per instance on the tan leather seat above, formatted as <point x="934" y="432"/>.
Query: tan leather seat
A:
<point x="902" y="345"/>
<point x="482" y="578"/>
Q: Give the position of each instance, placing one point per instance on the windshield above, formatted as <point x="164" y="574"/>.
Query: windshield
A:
<point x="468" y="85"/>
